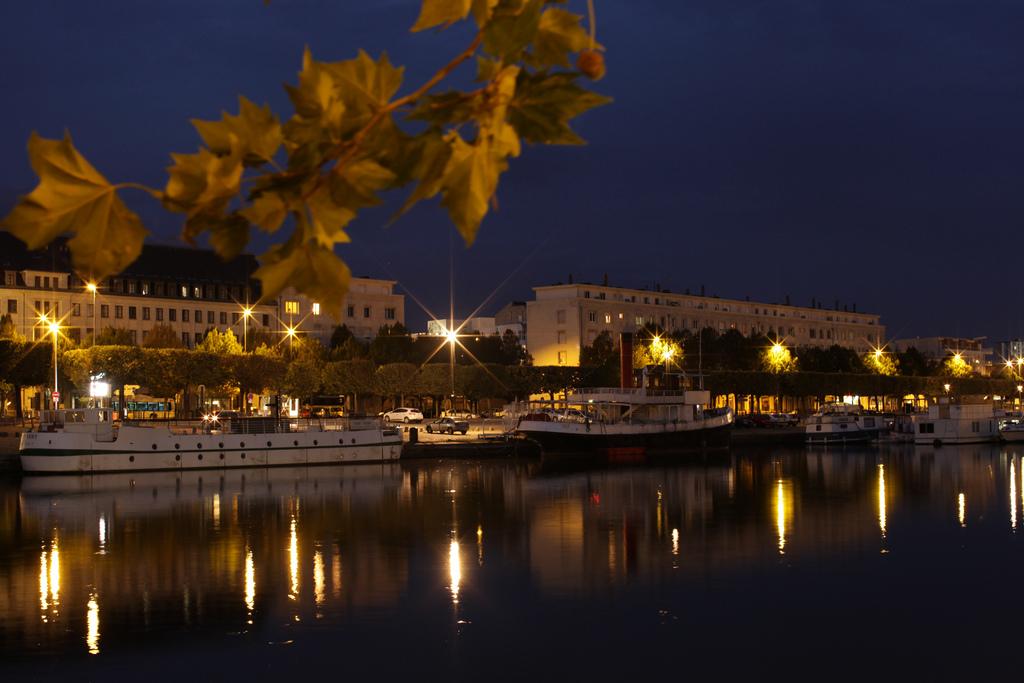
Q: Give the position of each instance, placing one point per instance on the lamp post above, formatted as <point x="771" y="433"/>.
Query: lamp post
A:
<point x="91" y="288"/>
<point x="246" y="314"/>
<point x="53" y="327"/>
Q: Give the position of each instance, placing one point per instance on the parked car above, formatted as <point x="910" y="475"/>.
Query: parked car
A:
<point x="403" y="415"/>
<point x="753" y="420"/>
<point x="783" y="419"/>
<point x="447" y="425"/>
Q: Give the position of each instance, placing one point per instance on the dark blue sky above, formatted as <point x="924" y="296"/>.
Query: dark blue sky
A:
<point x="868" y="152"/>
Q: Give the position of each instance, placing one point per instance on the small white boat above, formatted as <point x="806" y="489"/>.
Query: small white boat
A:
<point x="1012" y="432"/>
<point x="842" y="423"/>
<point x="86" y="441"/>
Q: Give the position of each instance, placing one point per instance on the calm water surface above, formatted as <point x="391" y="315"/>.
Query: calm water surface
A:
<point x="789" y="564"/>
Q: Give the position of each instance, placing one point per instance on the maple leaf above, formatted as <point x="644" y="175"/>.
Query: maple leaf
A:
<point x="256" y="129"/>
<point x="73" y="198"/>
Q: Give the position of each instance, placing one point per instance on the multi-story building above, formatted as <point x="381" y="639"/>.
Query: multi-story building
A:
<point x="512" y="317"/>
<point x="564" y="318"/>
<point x="482" y="326"/>
<point x="972" y="349"/>
<point x="369" y="305"/>
<point x="1012" y="349"/>
<point x="190" y="290"/>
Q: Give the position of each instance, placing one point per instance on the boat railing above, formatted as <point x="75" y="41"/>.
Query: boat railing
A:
<point x="258" y="425"/>
<point x="628" y="391"/>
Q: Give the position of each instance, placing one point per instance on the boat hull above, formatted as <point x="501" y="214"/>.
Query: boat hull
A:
<point x="631" y="446"/>
<point x="140" y="449"/>
<point x="826" y="438"/>
<point x="1012" y="436"/>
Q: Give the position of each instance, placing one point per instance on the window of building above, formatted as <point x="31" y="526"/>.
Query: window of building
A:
<point x="12" y="305"/>
<point x="39" y="281"/>
<point x="351" y="311"/>
<point x="184" y="315"/>
<point x="563" y="356"/>
<point x="586" y="294"/>
<point x="592" y="316"/>
<point x="223" y="317"/>
<point x="316" y="309"/>
<point x="145" y="312"/>
<point x="198" y="337"/>
<point x="104" y="311"/>
<point x="199" y="317"/>
<point x="183" y="291"/>
<point x="234" y="318"/>
<point x="184" y="339"/>
<point x="291" y="307"/>
<point x="133" y="312"/>
<point x="560" y="317"/>
<point x="135" y="336"/>
<point x="638" y="320"/>
<point x="131" y="284"/>
<point x="209" y="317"/>
<point x="76" y="310"/>
<point x="197" y="292"/>
<point x="119" y="311"/>
<point x="266" y="320"/>
<point x="159" y="314"/>
<point x="561" y="336"/>
<point x="145" y="336"/>
<point x="366" y="311"/>
<point x="601" y="295"/>
<point x="389" y="314"/>
<point x="145" y="289"/>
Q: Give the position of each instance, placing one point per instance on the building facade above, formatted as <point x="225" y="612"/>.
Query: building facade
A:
<point x="479" y="325"/>
<point x="562" y="319"/>
<point x="369" y="305"/>
<point x="971" y="349"/>
<point x="512" y="318"/>
<point x="190" y="290"/>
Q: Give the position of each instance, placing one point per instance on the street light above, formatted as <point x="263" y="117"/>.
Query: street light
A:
<point x="53" y="327"/>
<point x="92" y="289"/>
<point x="246" y="314"/>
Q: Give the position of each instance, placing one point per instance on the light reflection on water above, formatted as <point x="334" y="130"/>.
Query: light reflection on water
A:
<point x="184" y="552"/>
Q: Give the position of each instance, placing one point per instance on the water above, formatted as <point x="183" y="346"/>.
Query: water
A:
<point x="778" y="564"/>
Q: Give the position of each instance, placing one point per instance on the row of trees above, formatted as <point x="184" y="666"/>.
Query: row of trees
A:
<point x="731" y="351"/>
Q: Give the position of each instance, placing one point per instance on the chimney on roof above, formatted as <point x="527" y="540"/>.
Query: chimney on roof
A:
<point x="657" y="286"/>
<point x="854" y="307"/>
<point x="837" y="305"/>
<point x="787" y="299"/>
<point x="702" y="290"/>
<point x="814" y="303"/>
<point x="570" y="278"/>
<point x="604" y="280"/>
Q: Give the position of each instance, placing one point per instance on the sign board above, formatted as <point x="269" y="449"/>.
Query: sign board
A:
<point x="55" y="395"/>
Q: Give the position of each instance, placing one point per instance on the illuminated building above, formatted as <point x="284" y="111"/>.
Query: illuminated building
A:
<point x="563" y="318"/>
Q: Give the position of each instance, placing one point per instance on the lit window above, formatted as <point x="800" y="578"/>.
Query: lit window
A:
<point x="316" y="309"/>
<point x="608" y="318"/>
<point x="291" y="307"/>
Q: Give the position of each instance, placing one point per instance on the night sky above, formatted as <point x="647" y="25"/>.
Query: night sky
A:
<point x="864" y="151"/>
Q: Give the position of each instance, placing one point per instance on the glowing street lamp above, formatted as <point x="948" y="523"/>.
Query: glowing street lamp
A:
<point x="246" y="314"/>
<point x="92" y="289"/>
<point x="946" y="387"/>
<point x="53" y="327"/>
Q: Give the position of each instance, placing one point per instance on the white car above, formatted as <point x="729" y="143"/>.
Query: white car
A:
<point x="403" y="415"/>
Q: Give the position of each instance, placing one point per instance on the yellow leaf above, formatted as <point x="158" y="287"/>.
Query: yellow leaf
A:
<point x="311" y="269"/>
<point x="438" y="12"/>
<point x="73" y="197"/>
<point x="267" y="211"/>
<point x="469" y="182"/>
<point x="256" y="128"/>
<point x="203" y="181"/>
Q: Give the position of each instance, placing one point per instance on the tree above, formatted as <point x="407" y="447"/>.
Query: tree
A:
<point x="351" y="139"/>
<point x="912" y="362"/>
<point x="881" y="363"/>
<point x="8" y="330"/>
<point x="955" y="366"/>
<point x="397" y="379"/>
<point x="351" y="377"/>
<point x="340" y="336"/>
<point x="115" y="336"/>
<point x="391" y="345"/>
<point x="512" y="352"/>
<point x="220" y="343"/>
<point x="162" y="336"/>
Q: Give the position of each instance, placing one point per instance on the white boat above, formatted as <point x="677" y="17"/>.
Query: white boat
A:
<point x="86" y="441"/>
<point x="956" y="423"/>
<point x="625" y="422"/>
<point x="1012" y="432"/>
<point x="842" y="423"/>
